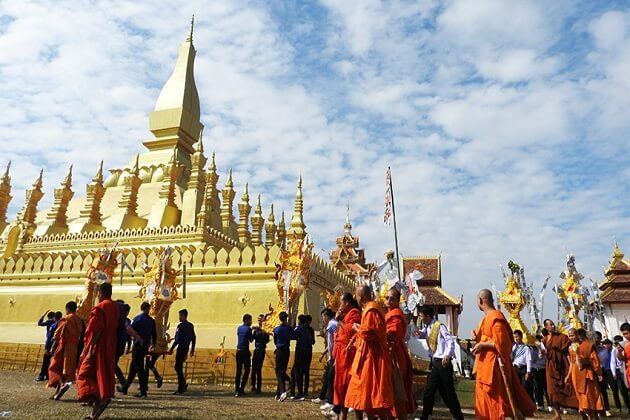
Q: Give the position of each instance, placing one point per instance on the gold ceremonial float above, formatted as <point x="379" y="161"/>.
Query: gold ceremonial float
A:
<point x="167" y="215"/>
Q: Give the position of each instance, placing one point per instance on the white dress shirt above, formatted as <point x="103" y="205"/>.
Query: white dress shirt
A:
<point x="522" y="356"/>
<point x="445" y="342"/>
<point x="331" y="329"/>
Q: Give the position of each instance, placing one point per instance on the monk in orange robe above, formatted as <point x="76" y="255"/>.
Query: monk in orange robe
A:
<point x="396" y="324"/>
<point x="370" y="389"/>
<point x="495" y="339"/>
<point x="585" y="372"/>
<point x="96" y="380"/>
<point x="343" y="354"/>
<point x="63" y="364"/>
<point x="623" y="354"/>
<point x="557" y="367"/>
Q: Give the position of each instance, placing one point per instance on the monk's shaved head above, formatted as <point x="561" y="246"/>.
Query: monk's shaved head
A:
<point x="485" y="301"/>
<point x="486" y="295"/>
<point x="395" y="292"/>
<point x="363" y="294"/>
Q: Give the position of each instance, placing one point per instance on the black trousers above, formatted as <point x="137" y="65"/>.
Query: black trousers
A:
<point x="180" y="358"/>
<point x="621" y="387"/>
<point x="282" y="362"/>
<point x="257" y="363"/>
<point x="43" y="373"/>
<point x="539" y="382"/>
<point x="138" y="367"/>
<point x="119" y="373"/>
<point x="603" y="390"/>
<point x="327" y="382"/>
<point x="441" y="379"/>
<point x="150" y="366"/>
<point x="297" y="372"/>
<point x="243" y="359"/>
<point x="306" y="369"/>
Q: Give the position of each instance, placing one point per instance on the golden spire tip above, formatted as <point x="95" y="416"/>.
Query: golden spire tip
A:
<point x="192" y="26"/>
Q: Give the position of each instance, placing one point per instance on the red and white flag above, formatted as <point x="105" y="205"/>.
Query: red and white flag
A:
<point x="387" y="216"/>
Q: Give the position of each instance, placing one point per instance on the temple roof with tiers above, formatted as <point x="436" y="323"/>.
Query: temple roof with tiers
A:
<point x="348" y="257"/>
<point x="616" y="286"/>
<point x="431" y="283"/>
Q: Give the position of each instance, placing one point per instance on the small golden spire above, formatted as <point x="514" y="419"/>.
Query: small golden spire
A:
<point x="192" y="26"/>
<point x="67" y="182"/>
<point x="281" y="233"/>
<point x="227" y="216"/>
<point x="243" y="211"/>
<point x="245" y="196"/>
<point x="99" y="174"/>
<point x="213" y="165"/>
<point x="5" y="196"/>
<point x="228" y="182"/>
<point x="258" y="222"/>
<point x="270" y="229"/>
<point x="617" y="252"/>
<point x="347" y="227"/>
<point x="298" y="228"/>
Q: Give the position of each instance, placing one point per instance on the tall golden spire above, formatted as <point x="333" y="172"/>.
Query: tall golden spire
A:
<point x="5" y="196"/>
<point x="298" y="228"/>
<point x="347" y="227"/>
<point x="281" y="236"/>
<point x="243" y="212"/>
<point x="90" y="215"/>
<point x="270" y="229"/>
<point x="227" y="217"/>
<point x="192" y="26"/>
<point x="57" y="216"/>
<point x="257" y="224"/>
<point x="176" y="118"/>
<point x="129" y="199"/>
<point x="33" y="196"/>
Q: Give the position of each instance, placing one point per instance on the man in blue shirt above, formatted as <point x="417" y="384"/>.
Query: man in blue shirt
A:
<point x="184" y="337"/>
<point x="299" y="360"/>
<point x="603" y="353"/>
<point x="282" y="336"/>
<point x="261" y="339"/>
<point x="144" y="326"/>
<point x="243" y="356"/>
<point x="50" y="321"/>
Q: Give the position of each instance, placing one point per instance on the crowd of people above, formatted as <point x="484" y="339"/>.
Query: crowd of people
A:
<point x="368" y="369"/>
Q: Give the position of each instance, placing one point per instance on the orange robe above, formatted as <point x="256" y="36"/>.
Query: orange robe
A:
<point x="557" y="368"/>
<point x="396" y="324"/>
<point x="96" y="380"/>
<point x="626" y="352"/>
<point x="585" y="381"/>
<point x="343" y="355"/>
<point x="63" y="364"/>
<point x="370" y="387"/>
<point x="491" y="399"/>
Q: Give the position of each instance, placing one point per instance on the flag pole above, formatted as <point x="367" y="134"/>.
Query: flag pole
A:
<point x="398" y="257"/>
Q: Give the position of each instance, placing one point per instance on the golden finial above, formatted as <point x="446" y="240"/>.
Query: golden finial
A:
<point x="348" y="226"/>
<point x="245" y="196"/>
<point x="298" y="228"/>
<point x="136" y="166"/>
<point x="6" y="177"/>
<point x="228" y="182"/>
<point x="271" y="218"/>
<point x="67" y="182"/>
<point x="192" y="25"/>
<point x="199" y="144"/>
<point x="258" y="208"/>
<point x="617" y="253"/>
<point x="39" y="182"/>
<point x="213" y="165"/>
<point x="99" y="174"/>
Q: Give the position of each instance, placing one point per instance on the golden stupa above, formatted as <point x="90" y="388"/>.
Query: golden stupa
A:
<point x="165" y="197"/>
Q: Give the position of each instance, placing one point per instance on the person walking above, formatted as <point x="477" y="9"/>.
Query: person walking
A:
<point x="185" y="339"/>
<point x="243" y="356"/>
<point x="261" y="338"/>
<point x="50" y="321"/>
<point x="144" y="326"/>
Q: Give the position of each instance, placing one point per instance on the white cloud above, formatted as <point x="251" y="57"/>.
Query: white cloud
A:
<point x="500" y="150"/>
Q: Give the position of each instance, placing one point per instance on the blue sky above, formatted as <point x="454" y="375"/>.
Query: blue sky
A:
<point x="505" y="123"/>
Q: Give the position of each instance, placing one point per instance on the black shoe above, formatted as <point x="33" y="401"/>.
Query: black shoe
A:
<point x="242" y="392"/>
<point x="252" y="390"/>
<point x="258" y="391"/>
<point x="178" y="392"/>
<point x="141" y="395"/>
<point x="159" y="382"/>
<point x="62" y="391"/>
<point x="39" y="379"/>
<point x="185" y="388"/>
<point x="121" y="389"/>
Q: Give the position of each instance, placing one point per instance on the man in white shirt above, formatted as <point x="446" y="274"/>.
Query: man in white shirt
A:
<point x="522" y="360"/>
<point x="441" y="350"/>
<point x="538" y="377"/>
<point x="330" y="328"/>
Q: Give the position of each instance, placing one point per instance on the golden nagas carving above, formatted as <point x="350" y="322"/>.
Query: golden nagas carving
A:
<point x="292" y="279"/>
<point x="101" y="271"/>
<point x="159" y="288"/>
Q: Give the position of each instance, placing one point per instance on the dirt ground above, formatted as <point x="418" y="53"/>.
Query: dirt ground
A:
<point x="26" y="399"/>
